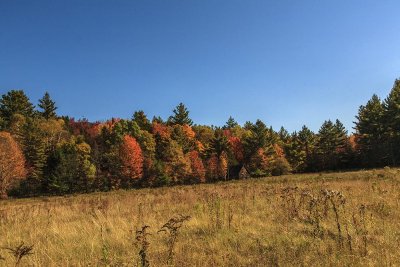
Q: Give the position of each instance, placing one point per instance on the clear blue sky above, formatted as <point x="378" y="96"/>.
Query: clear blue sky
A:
<point x="286" y="62"/>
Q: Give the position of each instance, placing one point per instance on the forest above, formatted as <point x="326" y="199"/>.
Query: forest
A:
<point x="42" y="153"/>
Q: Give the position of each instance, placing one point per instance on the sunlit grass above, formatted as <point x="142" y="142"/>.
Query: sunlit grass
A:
<point x="238" y="223"/>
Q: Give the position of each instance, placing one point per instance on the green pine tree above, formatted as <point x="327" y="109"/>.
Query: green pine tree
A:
<point x="307" y="141"/>
<point x="295" y="153"/>
<point x="48" y="107"/>
<point x="14" y="102"/>
<point x="181" y="116"/>
<point x="370" y="133"/>
<point x="392" y="122"/>
<point x="141" y="119"/>
<point x="332" y="146"/>
<point x="231" y="123"/>
<point x="219" y="143"/>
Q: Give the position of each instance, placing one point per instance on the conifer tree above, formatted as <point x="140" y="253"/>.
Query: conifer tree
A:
<point x="307" y="140"/>
<point x="141" y="119"/>
<point x="370" y="132"/>
<point x="295" y="153"/>
<point x="258" y="136"/>
<point x="332" y="146"/>
<point x="70" y="168"/>
<point x="48" y="107"/>
<point x="392" y="122"/>
<point x="15" y="102"/>
<point x="219" y="143"/>
<point x="34" y="148"/>
<point x="231" y="123"/>
<point x="181" y="116"/>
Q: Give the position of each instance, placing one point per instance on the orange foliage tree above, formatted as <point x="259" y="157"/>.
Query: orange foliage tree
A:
<point x="12" y="163"/>
<point x="236" y="148"/>
<point x="131" y="158"/>
<point x="212" y="167"/>
<point x="189" y="131"/>
<point x="223" y="166"/>
<point x="217" y="167"/>
<point x="198" y="170"/>
<point x="162" y="130"/>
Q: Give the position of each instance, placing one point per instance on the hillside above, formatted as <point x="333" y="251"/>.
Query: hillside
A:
<point x="326" y="219"/>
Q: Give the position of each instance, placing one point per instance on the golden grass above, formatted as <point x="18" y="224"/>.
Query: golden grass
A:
<point x="238" y="223"/>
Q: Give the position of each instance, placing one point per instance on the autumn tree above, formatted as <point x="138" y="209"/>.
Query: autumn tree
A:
<point x="236" y="149"/>
<point x="222" y="170"/>
<point x="131" y="158"/>
<point x="212" y="168"/>
<point x="16" y="127"/>
<point x="181" y="116"/>
<point x="198" y="173"/>
<point x="147" y="143"/>
<point x="47" y="106"/>
<point x="12" y="163"/>
<point x="204" y="133"/>
<point x="177" y="166"/>
<point x="279" y="165"/>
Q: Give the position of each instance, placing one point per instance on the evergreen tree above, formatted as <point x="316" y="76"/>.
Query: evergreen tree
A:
<point x="295" y="153"/>
<point x="258" y="136"/>
<point x="284" y="135"/>
<point x="188" y="143"/>
<point x="231" y="123"/>
<point x="34" y="148"/>
<point x="370" y="133"/>
<point x="181" y="116"/>
<point x="141" y="119"/>
<point x="48" y="107"/>
<point x="332" y="146"/>
<point x="392" y="122"/>
<point x="15" y="102"/>
<point x="307" y="141"/>
<point x="157" y="119"/>
<point x="70" y="168"/>
<point x="219" y="143"/>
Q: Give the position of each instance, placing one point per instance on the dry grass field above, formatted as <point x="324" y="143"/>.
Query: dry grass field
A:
<point x="332" y="219"/>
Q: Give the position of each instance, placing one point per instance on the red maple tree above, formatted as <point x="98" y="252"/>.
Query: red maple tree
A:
<point x="198" y="170"/>
<point x="131" y="158"/>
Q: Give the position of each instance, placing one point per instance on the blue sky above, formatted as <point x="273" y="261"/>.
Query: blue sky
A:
<point x="286" y="62"/>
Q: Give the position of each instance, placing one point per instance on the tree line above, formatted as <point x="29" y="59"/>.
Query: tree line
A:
<point x="42" y="153"/>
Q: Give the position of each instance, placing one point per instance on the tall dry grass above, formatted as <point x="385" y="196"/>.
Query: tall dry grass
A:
<point x="346" y="219"/>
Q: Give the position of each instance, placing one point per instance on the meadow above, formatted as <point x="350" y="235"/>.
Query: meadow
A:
<point x="329" y="219"/>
